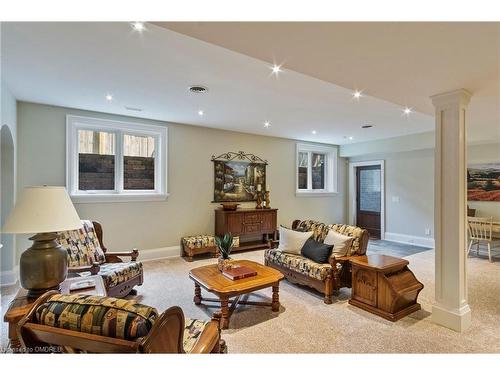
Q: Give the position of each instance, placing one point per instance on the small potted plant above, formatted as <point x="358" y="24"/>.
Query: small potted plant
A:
<point x="225" y="245"/>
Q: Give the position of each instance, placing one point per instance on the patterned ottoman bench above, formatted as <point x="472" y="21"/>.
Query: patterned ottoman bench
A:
<point x="202" y="244"/>
<point x="195" y="245"/>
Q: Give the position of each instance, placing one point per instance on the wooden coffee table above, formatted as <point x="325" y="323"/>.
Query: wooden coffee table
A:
<point x="22" y="304"/>
<point x="211" y="279"/>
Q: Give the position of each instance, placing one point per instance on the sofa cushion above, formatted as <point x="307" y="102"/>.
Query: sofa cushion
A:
<point x="104" y="316"/>
<point x="298" y="263"/>
<point x="117" y="273"/>
<point x="316" y="251"/>
<point x="321" y="231"/>
<point x="341" y="244"/>
<point x="192" y="332"/>
<point x="292" y="241"/>
<point x="82" y="245"/>
<point x="351" y="231"/>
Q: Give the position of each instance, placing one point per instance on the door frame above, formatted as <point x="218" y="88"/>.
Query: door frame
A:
<point x="353" y="191"/>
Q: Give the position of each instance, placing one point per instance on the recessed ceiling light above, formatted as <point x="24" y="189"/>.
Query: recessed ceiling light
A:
<point x="357" y="94"/>
<point x="267" y="124"/>
<point x="138" y="26"/>
<point x="200" y="112"/>
<point x="366" y="126"/>
<point x="276" y="69"/>
<point x="314" y="132"/>
<point x="407" y="111"/>
<point x="109" y="97"/>
<point x="351" y="138"/>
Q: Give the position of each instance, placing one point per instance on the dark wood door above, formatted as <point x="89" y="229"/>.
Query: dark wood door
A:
<point x="368" y="199"/>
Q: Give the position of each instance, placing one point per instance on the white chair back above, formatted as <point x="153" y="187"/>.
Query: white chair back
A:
<point x="480" y="228"/>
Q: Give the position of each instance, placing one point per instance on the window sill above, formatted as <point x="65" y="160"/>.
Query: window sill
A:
<point x="111" y="198"/>
<point x="319" y="194"/>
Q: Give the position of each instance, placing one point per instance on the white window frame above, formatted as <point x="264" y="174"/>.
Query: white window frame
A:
<point x="160" y="133"/>
<point x="331" y="156"/>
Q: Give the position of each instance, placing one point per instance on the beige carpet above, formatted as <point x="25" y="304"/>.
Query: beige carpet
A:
<point x="306" y="325"/>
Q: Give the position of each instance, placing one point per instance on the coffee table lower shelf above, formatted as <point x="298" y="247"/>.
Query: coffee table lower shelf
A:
<point x="228" y="306"/>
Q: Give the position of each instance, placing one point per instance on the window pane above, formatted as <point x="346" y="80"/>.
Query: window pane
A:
<point x="303" y="162"/>
<point x="318" y="171"/>
<point x="96" y="160"/>
<point x="369" y="190"/>
<point x="138" y="162"/>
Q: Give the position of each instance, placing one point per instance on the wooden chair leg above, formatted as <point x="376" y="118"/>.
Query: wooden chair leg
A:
<point x="328" y="290"/>
<point x="470" y="245"/>
<point x="477" y="248"/>
<point x="489" y="251"/>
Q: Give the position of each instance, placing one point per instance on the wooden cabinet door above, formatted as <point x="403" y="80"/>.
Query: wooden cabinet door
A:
<point x="268" y="221"/>
<point x="234" y="223"/>
<point x="364" y="286"/>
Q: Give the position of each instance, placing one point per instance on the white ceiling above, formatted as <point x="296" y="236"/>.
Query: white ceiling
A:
<point x="401" y="62"/>
<point x="77" y="64"/>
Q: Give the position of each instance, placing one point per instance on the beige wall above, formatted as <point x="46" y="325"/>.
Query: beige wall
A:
<point x="8" y="165"/>
<point x="409" y="175"/>
<point x="409" y="191"/>
<point x="150" y="225"/>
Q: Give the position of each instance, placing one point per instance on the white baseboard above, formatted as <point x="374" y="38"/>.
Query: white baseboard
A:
<point x="410" y="240"/>
<point x="9" y="277"/>
<point x="160" y="253"/>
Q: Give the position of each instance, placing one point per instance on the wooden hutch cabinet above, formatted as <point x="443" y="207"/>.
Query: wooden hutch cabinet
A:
<point x="249" y="224"/>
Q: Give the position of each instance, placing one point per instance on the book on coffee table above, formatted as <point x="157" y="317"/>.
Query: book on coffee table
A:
<point x="239" y="272"/>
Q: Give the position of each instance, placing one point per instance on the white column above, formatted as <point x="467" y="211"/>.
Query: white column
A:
<point x="451" y="308"/>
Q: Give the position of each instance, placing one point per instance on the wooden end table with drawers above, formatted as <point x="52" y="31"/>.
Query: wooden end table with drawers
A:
<point x="385" y="286"/>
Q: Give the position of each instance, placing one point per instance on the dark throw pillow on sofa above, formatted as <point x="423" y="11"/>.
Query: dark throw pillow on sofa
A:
<point x="316" y="251"/>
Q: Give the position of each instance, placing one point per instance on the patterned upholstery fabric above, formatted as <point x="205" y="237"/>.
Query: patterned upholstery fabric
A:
<point x="98" y="315"/>
<point x="321" y="230"/>
<point x="298" y="263"/>
<point x="82" y="245"/>
<point x="117" y="273"/>
<point x="192" y="332"/>
<point x="196" y="242"/>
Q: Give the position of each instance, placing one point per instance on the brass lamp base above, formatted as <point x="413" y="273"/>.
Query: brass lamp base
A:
<point x="44" y="266"/>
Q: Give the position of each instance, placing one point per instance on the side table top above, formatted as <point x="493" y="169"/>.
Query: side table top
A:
<point x="21" y="304"/>
<point x="379" y="262"/>
<point x="212" y="279"/>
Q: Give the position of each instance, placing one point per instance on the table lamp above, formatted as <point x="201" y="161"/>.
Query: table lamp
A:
<point x="44" y="210"/>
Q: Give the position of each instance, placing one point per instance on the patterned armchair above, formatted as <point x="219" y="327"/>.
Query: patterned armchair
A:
<point x="86" y="252"/>
<point x="327" y="277"/>
<point x="79" y="323"/>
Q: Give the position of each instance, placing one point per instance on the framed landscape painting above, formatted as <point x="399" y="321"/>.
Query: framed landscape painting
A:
<point x="238" y="177"/>
<point x="483" y="182"/>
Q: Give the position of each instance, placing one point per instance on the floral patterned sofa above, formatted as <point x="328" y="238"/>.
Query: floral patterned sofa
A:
<point x="86" y="253"/>
<point x="79" y="323"/>
<point x="327" y="277"/>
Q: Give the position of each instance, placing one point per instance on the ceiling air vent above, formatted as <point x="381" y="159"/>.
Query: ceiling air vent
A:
<point x="198" y="89"/>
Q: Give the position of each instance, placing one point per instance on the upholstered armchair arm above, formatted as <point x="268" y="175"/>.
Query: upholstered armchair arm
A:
<point x="209" y="340"/>
<point x="93" y="269"/>
<point x="114" y="257"/>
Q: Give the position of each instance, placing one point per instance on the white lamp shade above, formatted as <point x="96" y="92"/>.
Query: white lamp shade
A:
<point x="42" y="209"/>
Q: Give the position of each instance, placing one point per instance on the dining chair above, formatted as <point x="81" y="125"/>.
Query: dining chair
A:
<point x="480" y="230"/>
